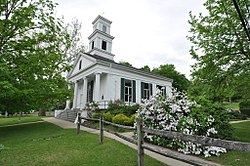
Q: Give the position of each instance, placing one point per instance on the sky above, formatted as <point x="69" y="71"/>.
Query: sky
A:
<point x="147" y="32"/>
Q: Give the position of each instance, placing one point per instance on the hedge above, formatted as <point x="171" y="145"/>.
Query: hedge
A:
<point x="245" y="107"/>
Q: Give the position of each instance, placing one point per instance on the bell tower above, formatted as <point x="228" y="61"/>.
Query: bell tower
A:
<point x="100" y="41"/>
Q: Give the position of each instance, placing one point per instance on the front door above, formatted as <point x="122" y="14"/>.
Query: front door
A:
<point x="90" y="91"/>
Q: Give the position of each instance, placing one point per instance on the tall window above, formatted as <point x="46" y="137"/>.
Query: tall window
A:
<point x="146" y="90"/>
<point x="104" y="45"/>
<point x="128" y="91"/>
<point x="93" y="44"/>
<point x="80" y="64"/>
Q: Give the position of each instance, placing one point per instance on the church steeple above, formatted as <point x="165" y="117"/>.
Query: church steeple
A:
<point x="100" y="41"/>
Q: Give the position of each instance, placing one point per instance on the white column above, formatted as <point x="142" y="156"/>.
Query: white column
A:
<point x="75" y="95"/>
<point x="68" y="101"/>
<point x="153" y="89"/>
<point x="97" y="86"/>
<point x="85" y="88"/>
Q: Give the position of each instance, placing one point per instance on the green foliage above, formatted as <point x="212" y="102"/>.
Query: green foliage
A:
<point x="108" y="116"/>
<point x="126" y="63"/>
<point x="220" y="115"/>
<point x="121" y="119"/>
<point x="118" y="107"/>
<point x="32" y="56"/>
<point x="237" y="116"/>
<point x="96" y="115"/>
<point x="245" y="107"/>
<point x="219" y="45"/>
<point x="146" y="68"/>
<point x="179" y="80"/>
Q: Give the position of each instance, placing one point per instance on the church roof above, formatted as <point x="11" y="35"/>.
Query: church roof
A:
<point x="128" y="68"/>
<point x="102" y="18"/>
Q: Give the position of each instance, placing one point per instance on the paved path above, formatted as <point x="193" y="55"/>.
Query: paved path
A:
<point x="239" y="121"/>
<point x="161" y="158"/>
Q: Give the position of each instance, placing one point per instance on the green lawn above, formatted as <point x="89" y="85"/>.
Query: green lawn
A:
<point x="16" y="120"/>
<point x="47" y="144"/>
<point x="234" y="106"/>
<point x="236" y="158"/>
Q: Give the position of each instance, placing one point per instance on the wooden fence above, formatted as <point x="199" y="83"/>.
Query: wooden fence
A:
<point x="207" y="141"/>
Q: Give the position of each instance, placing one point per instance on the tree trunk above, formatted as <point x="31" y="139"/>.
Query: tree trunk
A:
<point x="42" y="112"/>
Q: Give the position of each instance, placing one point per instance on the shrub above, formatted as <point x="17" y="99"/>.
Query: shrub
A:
<point x="120" y="119"/>
<point x="177" y="113"/>
<point x="245" y="107"/>
<point x="95" y="115"/>
<point x="108" y="116"/>
<point x="119" y="107"/>
<point x="113" y="105"/>
<point x="237" y="115"/>
<point x="132" y="120"/>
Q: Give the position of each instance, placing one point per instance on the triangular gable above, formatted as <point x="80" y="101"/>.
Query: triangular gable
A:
<point x="85" y="61"/>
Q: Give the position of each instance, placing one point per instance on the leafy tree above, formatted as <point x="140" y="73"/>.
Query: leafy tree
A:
<point x="179" y="80"/>
<point x="32" y="42"/>
<point x="76" y="43"/>
<point x="146" y="68"/>
<point x="222" y="50"/>
<point x="126" y="63"/>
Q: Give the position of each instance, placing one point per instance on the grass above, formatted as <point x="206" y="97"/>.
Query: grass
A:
<point x="107" y="127"/>
<point x="236" y="158"/>
<point x="17" y="120"/>
<point x="47" y="144"/>
<point x="234" y="106"/>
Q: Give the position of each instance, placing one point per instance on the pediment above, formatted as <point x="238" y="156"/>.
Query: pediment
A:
<point x="82" y="62"/>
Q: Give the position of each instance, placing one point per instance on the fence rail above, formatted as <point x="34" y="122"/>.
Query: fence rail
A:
<point x="232" y="145"/>
<point x="208" y="141"/>
<point x="110" y="123"/>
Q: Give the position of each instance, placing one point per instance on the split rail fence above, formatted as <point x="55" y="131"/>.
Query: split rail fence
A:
<point x="140" y="130"/>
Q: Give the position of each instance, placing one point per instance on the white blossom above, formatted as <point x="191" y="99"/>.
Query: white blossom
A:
<point x="174" y="114"/>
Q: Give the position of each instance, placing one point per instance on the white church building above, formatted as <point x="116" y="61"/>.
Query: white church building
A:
<point x="97" y="77"/>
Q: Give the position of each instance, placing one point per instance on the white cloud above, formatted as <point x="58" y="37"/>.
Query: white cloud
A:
<point x="146" y="32"/>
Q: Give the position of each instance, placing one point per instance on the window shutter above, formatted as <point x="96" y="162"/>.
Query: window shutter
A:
<point x="151" y="89"/>
<point x="122" y="88"/>
<point x="165" y="90"/>
<point x="134" y="91"/>
<point x="142" y="89"/>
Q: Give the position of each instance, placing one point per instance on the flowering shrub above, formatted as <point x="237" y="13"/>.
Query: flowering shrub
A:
<point x="177" y="113"/>
<point x="92" y="106"/>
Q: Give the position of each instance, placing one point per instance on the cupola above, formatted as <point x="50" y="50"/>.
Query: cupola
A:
<point x="100" y="41"/>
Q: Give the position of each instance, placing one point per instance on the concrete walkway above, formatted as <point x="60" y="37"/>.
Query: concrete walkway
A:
<point x="239" y="121"/>
<point x="161" y="158"/>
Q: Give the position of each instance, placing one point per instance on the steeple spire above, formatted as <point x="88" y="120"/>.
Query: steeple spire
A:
<point x="100" y="41"/>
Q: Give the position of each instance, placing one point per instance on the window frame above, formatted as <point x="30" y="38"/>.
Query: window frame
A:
<point x="104" y="45"/>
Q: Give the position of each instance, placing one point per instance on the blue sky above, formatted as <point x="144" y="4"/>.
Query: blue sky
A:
<point x="147" y="32"/>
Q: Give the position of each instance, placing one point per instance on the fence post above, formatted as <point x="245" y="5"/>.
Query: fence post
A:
<point x="140" y="152"/>
<point x="79" y="123"/>
<point x="101" y="128"/>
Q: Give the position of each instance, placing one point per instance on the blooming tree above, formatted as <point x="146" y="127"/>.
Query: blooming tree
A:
<point x="175" y="113"/>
